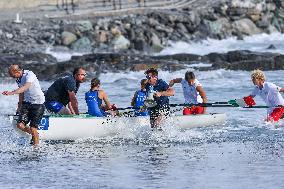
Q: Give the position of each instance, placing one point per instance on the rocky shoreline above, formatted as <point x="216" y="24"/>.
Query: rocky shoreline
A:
<point x="131" y="39"/>
<point x="47" y="67"/>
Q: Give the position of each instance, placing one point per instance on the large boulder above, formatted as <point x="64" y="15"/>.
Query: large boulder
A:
<point x="67" y="38"/>
<point x="82" y="45"/>
<point x="246" y="26"/>
<point x="120" y="43"/>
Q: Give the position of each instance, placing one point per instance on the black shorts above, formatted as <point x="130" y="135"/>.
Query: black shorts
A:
<point x="159" y="111"/>
<point x="31" y="113"/>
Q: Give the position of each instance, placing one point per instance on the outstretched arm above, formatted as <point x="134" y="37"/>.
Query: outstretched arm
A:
<point x="169" y="92"/>
<point x="173" y="81"/>
<point x="19" y="90"/>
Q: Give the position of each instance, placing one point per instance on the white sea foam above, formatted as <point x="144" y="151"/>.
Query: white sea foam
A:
<point x="62" y="54"/>
<point x="259" y="43"/>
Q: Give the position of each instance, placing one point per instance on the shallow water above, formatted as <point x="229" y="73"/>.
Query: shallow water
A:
<point x="243" y="153"/>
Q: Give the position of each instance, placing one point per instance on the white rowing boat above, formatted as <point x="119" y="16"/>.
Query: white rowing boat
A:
<point x="82" y="126"/>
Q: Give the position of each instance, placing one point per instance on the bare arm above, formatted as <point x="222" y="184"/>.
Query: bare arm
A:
<point x="169" y="92"/>
<point x="19" y="90"/>
<point x="105" y="99"/>
<point x="202" y="94"/>
<point x="281" y="90"/>
<point x="173" y="81"/>
<point x="73" y="102"/>
<point x="133" y="99"/>
<point x="71" y="108"/>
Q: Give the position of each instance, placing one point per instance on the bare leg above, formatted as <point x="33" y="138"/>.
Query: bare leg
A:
<point x="22" y="127"/>
<point x="35" y="136"/>
<point x="156" y="122"/>
<point x="64" y="111"/>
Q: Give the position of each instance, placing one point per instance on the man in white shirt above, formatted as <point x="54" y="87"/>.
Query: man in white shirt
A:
<point x="193" y="93"/>
<point x="270" y="94"/>
<point x="31" y="100"/>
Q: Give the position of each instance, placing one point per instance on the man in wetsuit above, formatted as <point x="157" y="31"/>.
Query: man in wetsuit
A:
<point x="63" y="92"/>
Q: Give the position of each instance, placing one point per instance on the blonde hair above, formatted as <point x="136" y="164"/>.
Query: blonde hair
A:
<point x="258" y="74"/>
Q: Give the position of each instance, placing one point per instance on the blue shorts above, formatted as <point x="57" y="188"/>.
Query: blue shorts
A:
<point x="53" y="106"/>
<point x="140" y="113"/>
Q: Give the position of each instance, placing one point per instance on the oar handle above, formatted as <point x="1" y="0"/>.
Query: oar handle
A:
<point x="128" y="108"/>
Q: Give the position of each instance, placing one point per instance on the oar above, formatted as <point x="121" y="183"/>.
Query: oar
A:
<point x="128" y="108"/>
<point x="205" y="105"/>
<point x="231" y="103"/>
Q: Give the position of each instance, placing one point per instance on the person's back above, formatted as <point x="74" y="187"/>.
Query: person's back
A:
<point x="94" y="99"/>
<point x="139" y="98"/>
<point x="94" y="103"/>
<point x="58" y="91"/>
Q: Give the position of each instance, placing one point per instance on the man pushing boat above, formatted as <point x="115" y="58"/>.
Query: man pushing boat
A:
<point x="270" y="94"/>
<point x="31" y="99"/>
<point x="160" y="91"/>
<point x="63" y="91"/>
<point x="193" y="93"/>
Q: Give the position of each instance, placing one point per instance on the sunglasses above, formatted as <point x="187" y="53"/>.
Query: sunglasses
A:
<point x="149" y="77"/>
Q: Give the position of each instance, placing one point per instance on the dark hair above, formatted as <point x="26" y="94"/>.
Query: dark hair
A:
<point x="153" y="71"/>
<point x="76" y="70"/>
<point x="95" y="82"/>
<point x="143" y="81"/>
<point x="189" y="75"/>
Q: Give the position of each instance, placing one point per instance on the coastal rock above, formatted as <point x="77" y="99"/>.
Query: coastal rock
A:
<point x="147" y="31"/>
<point x="246" y="26"/>
<point x="120" y="43"/>
<point x="68" y="38"/>
<point x="84" y="26"/>
<point x="82" y="45"/>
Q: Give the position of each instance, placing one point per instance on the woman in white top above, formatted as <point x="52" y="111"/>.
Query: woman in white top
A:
<point x="193" y="93"/>
<point x="270" y="93"/>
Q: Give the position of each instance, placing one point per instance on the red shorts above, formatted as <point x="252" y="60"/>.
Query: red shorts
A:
<point x="276" y="114"/>
<point x="193" y="110"/>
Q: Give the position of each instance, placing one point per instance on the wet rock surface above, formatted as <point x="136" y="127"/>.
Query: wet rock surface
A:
<point x="47" y="68"/>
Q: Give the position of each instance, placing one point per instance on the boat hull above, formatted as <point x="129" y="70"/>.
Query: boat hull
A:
<point x="78" y="127"/>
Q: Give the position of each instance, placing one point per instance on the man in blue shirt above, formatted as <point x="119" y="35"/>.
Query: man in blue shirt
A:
<point x="161" y="93"/>
<point x="63" y="92"/>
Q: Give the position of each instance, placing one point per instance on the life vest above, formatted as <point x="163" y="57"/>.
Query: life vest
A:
<point x="139" y="102"/>
<point x="94" y="103"/>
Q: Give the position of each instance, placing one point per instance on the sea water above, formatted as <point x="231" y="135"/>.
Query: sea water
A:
<point x="244" y="152"/>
